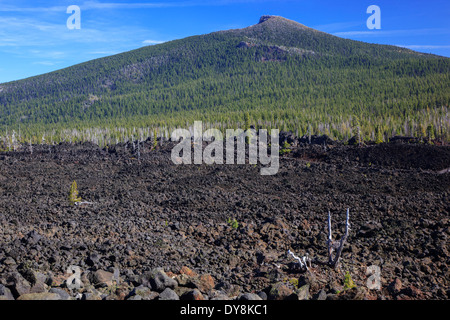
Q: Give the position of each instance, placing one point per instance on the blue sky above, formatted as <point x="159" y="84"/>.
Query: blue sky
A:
<point x="34" y="37"/>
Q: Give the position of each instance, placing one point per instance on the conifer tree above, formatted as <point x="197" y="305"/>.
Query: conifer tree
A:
<point x="73" y="194"/>
<point x="378" y="135"/>
<point x="430" y="132"/>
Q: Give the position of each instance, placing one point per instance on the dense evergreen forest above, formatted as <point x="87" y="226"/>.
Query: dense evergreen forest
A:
<point x="275" y="74"/>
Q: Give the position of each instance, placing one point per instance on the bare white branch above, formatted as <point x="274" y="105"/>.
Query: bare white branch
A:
<point x="334" y="262"/>
<point x="304" y="261"/>
<point x="83" y="202"/>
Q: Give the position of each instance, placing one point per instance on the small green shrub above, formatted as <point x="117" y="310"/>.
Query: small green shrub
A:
<point x="233" y="223"/>
<point x="348" y="282"/>
<point x="294" y="282"/>
<point x="73" y="194"/>
<point x="286" y="148"/>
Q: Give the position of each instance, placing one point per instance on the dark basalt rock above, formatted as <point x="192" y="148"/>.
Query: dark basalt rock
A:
<point x="150" y="213"/>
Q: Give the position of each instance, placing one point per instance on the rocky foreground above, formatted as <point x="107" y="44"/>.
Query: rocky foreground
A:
<point x="150" y="229"/>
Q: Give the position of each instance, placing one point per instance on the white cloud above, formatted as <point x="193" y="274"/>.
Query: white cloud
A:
<point x="386" y="33"/>
<point x="95" y="5"/>
<point x="48" y="43"/>
<point x="148" y="42"/>
<point x="113" y="5"/>
<point x="106" y="52"/>
<point x="333" y="27"/>
<point x="10" y="8"/>
<point x="423" y="46"/>
<point x="31" y="32"/>
<point x="45" y="63"/>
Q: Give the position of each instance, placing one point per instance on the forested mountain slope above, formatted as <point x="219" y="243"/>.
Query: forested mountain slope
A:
<point x="277" y="73"/>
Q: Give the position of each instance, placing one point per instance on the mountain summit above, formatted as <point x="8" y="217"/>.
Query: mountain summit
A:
<point x="276" y="30"/>
<point x="278" y="21"/>
<point x="267" y="17"/>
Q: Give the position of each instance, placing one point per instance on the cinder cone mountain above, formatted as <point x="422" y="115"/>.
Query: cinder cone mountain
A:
<point x="279" y="71"/>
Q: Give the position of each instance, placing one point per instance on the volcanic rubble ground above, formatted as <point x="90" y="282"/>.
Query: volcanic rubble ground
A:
<point x="156" y="230"/>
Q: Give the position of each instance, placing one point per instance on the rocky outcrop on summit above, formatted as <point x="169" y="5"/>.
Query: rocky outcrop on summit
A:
<point x="279" y="21"/>
<point x="265" y="18"/>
